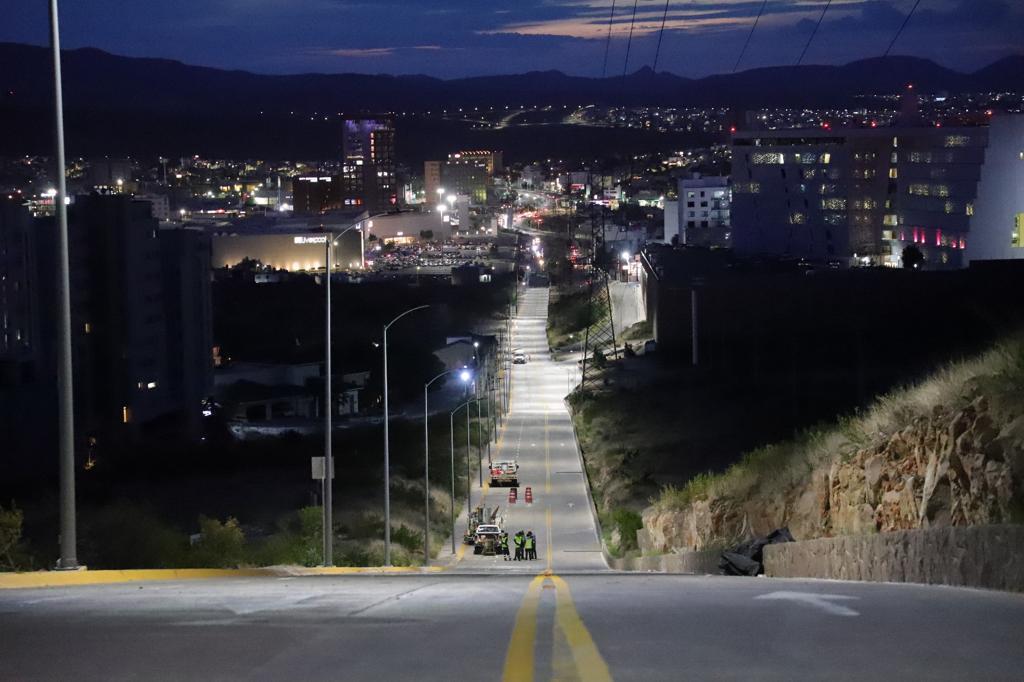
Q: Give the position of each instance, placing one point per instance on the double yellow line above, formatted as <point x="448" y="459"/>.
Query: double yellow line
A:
<point x="581" y="655"/>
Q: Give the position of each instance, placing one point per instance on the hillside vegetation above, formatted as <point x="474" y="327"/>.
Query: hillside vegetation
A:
<point x="948" y="450"/>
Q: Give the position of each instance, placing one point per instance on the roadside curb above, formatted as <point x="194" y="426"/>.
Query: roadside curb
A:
<point x="586" y="480"/>
<point x="104" y="577"/>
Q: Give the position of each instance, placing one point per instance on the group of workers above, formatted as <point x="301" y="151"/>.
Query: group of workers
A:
<point x="525" y="545"/>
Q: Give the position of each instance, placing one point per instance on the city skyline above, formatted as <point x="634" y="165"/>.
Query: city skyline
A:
<point x="453" y="38"/>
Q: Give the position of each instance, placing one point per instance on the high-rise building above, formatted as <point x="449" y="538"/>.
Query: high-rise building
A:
<point x="859" y="195"/>
<point x="140" y="318"/>
<point x="368" y="178"/>
<point x="467" y="172"/>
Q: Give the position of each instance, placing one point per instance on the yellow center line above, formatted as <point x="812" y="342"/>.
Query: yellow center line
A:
<point x="548" y="551"/>
<point x="586" y="659"/>
<point x="519" y="659"/>
<point x="589" y="663"/>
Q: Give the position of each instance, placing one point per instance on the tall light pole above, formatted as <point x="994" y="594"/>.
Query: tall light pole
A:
<point x="464" y="375"/>
<point x="387" y="441"/>
<point x="65" y="410"/>
<point x="327" y="488"/>
<point x="451" y="431"/>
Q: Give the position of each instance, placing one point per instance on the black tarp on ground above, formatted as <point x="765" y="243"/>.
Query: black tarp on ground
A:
<point x="748" y="558"/>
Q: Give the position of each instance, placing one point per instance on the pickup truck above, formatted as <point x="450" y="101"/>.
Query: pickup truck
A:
<point x="505" y="473"/>
<point x="488" y="536"/>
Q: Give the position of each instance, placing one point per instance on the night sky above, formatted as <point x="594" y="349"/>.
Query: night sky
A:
<point x="451" y="38"/>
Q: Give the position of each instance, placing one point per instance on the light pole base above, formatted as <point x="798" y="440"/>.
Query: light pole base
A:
<point x="60" y="566"/>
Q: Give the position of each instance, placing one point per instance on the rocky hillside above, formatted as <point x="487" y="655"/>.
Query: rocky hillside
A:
<point x="949" y="451"/>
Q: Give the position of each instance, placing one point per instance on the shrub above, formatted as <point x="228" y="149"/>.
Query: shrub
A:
<point x="10" y="535"/>
<point x="628" y="522"/>
<point x="221" y="545"/>
<point x="298" y="541"/>
<point x="123" y="535"/>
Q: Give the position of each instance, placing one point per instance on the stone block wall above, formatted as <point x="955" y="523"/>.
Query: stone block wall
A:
<point x="990" y="556"/>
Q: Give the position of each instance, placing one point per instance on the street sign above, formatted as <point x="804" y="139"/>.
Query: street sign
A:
<point x="318" y="468"/>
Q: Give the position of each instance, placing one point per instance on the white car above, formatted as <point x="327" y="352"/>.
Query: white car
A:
<point x="519" y="359"/>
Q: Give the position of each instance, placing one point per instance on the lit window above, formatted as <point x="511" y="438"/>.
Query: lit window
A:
<point x="1017" y="237"/>
<point x="88" y="328"/>
<point x="126" y="414"/>
<point x="893" y="173"/>
<point x="970" y="209"/>
<point x="826" y="158"/>
<point x="957" y="140"/>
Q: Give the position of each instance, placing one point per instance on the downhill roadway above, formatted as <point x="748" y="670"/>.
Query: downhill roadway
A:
<point x="564" y="616"/>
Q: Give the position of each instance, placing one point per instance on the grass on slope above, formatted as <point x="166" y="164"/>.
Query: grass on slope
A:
<point x="998" y="374"/>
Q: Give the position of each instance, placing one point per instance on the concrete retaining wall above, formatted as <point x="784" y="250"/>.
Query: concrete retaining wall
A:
<point x="974" y="556"/>
<point x="685" y="562"/>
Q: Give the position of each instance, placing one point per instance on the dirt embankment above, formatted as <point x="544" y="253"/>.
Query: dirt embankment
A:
<point x="948" y="452"/>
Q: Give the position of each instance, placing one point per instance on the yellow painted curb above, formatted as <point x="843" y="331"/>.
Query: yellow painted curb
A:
<point x="102" y="577"/>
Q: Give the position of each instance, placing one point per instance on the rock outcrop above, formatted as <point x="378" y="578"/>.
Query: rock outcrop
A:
<point x="949" y="467"/>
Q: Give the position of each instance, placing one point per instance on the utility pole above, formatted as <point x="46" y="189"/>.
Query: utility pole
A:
<point x="65" y="409"/>
<point x="328" y="405"/>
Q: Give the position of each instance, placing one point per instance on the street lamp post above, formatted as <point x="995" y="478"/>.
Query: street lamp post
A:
<point x="451" y="431"/>
<point x="65" y="412"/>
<point x="464" y="376"/>
<point x="387" y="442"/>
<point x="327" y="488"/>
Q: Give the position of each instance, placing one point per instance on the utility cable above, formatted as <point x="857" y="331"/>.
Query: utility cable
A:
<point x="608" y="42"/>
<point x="902" y="26"/>
<point x="657" y="50"/>
<point x="629" y="40"/>
<point x="809" y="40"/>
<point x="749" y="36"/>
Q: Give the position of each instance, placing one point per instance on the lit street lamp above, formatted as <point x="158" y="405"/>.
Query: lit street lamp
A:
<point x="387" y="445"/>
<point x="464" y="376"/>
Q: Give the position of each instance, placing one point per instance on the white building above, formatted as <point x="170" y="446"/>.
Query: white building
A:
<point x="704" y="211"/>
<point x="997" y="226"/>
<point x="672" y="222"/>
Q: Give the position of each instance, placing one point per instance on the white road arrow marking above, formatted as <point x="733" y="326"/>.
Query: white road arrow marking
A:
<point x="825" y="602"/>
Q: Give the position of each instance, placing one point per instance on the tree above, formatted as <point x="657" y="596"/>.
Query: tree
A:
<point x="913" y="259"/>
<point x="10" y="535"/>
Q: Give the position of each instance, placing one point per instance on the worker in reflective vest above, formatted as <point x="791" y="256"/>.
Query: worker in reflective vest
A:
<point x="530" y="544"/>
<point x="518" y="541"/>
<point x="504" y="546"/>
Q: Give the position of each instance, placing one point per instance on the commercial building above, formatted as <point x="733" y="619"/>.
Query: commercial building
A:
<point x="314" y="194"/>
<point x="704" y="211"/>
<point x="368" y="180"/>
<point x="467" y="172"/>
<point x="860" y="196"/>
<point x="293" y="243"/>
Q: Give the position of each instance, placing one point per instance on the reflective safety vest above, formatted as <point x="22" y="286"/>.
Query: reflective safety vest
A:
<point x="504" y="541"/>
<point x="529" y="542"/>
<point x="518" y="540"/>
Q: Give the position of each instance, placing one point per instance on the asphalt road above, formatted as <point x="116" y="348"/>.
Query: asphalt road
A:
<point x="564" y="616"/>
<point x="538" y="434"/>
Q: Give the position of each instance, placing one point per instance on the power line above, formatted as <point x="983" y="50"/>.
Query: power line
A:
<point x="657" y="50"/>
<point x="809" y="40"/>
<point x="749" y="36"/>
<point x="629" y="40"/>
<point x="902" y="26"/>
<point x="608" y="42"/>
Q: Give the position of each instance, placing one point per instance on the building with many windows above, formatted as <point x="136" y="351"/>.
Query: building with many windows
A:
<point x="704" y="211"/>
<point x="858" y="195"/>
<point x="466" y="173"/>
<point x="368" y="179"/>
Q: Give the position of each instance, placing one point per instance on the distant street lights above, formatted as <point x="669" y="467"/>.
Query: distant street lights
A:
<point x="387" y="441"/>
<point x="464" y="376"/>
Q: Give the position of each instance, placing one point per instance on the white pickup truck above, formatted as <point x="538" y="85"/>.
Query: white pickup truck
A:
<point x="487" y="539"/>
<point x="505" y="473"/>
